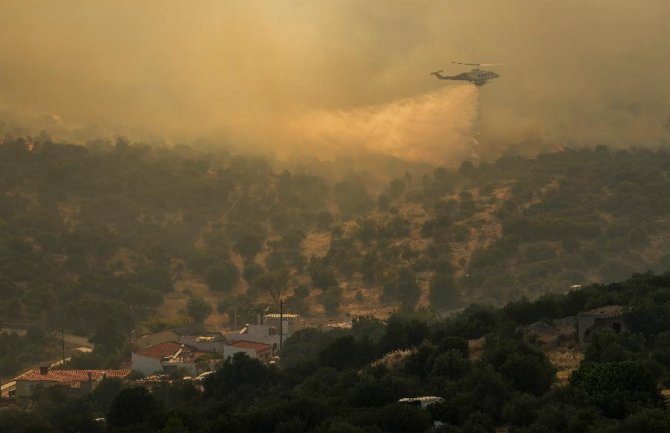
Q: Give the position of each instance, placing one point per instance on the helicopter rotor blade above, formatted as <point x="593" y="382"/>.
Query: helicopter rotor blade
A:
<point x="437" y="72"/>
<point x="479" y="64"/>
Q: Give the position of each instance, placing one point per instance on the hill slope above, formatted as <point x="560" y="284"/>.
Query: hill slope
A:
<point x="93" y="232"/>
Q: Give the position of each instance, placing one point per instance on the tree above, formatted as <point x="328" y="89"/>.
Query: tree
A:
<point x="351" y="197"/>
<point x="252" y="271"/>
<point x="647" y="421"/>
<point x="105" y="393"/>
<point x="239" y="376"/>
<point x="273" y="282"/>
<point x="174" y="424"/>
<point x="108" y="338"/>
<point x="248" y="240"/>
<point x="331" y="300"/>
<point x="322" y="275"/>
<point x="526" y="367"/>
<point x="198" y="309"/>
<point x="618" y="387"/>
<point x="443" y="292"/>
<point x="132" y="406"/>
<point x="13" y="420"/>
<point x="451" y="364"/>
<point x="608" y="346"/>
<point x="343" y="427"/>
<point x="345" y="352"/>
<point x="401" y="418"/>
<point x="222" y="277"/>
<point x="408" y="290"/>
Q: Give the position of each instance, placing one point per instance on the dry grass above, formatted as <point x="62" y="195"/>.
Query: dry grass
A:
<point x="559" y="342"/>
<point x="476" y="348"/>
<point x="566" y="361"/>
<point x="187" y="286"/>
<point x="316" y="245"/>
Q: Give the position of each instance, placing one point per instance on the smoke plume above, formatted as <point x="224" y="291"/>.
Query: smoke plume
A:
<point x="320" y="76"/>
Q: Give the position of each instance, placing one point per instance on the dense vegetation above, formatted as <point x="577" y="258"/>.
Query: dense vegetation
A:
<point x="350" y="380"/>
<point x="18" y="350"/>
<point x="93" y="238"/>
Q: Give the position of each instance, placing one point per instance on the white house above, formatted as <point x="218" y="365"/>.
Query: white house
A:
<point x="259" y="333"/>
<point x="290" y="322"/>
<point x="267" y="330"/>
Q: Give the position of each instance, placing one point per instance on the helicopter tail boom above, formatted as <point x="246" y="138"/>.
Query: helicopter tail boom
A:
<point x="439" y="76"/>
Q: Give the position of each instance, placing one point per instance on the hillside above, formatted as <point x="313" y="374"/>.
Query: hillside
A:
<point x="131" y="232"/>
<point x="516" y="369"/>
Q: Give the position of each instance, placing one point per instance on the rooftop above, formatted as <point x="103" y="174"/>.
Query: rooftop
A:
<point x="208" y="338"/>
<point x="161" y="350"/>
<point x="606" y="311"/>
<point x="284" y="316"/>
<point x="257" y="347"/>
<point x="69" y="376"/>
<point x="427" y="398"/>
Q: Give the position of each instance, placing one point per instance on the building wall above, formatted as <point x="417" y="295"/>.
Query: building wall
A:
<point x="289" y="325"/>
<point x="24" y="388"/>
<point x="190" y="367"/>
<point x="145" y="365"/>
<point x="587" y="325"/>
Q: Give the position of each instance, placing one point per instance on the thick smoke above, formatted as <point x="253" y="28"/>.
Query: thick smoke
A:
<point x="320" y="76"/>
<point x="434" y="127"/>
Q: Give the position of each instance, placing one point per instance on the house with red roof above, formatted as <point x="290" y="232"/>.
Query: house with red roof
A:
<point x="78" y="381"/>
<point x="165" y="357"/>
<point x="253" y="349"/>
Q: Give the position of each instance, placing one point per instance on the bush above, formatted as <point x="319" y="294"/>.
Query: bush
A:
<point x="222" y="277"/>
<point x="198" y="309"/>
<point x="443" y="292"/>
<point x="331" y="300"/>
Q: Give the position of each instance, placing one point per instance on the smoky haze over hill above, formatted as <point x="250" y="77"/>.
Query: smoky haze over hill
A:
<point x="323" y="77"/>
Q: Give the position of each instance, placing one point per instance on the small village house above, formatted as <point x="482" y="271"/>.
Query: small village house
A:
<point x="79" y="382"/>
<point x="267" y="330"/>
<point x="588" y="322"/>
<point x="206" y="342"/>
<point x="261" y="351"/>
<point x="165" y="357"/>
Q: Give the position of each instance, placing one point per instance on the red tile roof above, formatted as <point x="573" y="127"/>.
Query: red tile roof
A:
<point x="257" y="347"/>
<point x="69" y="376"/>
<point x="160" y="351"/>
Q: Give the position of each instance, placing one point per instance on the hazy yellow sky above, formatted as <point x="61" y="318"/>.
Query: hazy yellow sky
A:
<point x="578" y="71"/>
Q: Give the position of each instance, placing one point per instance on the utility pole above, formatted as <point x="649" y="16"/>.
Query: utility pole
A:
<point x="281" y="322"/>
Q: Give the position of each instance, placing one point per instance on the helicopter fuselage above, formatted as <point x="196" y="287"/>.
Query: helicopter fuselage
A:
<point x="476" y="76"/>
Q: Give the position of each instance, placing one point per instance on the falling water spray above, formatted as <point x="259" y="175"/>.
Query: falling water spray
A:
<point x="477" y="124"/>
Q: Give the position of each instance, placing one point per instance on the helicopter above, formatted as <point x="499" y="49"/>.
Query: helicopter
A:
<point x="476" y="76"/>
